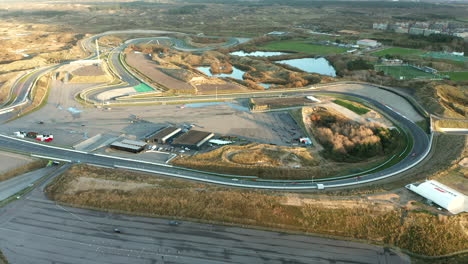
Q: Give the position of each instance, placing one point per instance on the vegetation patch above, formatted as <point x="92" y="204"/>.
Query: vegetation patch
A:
<point x="278" y="103"/>
<point x="3" y="259"/>
<point x="303" y="47"/>
<point x="347" y="140"/>
<point x="457" y="76"/>
<point x="397" y="51"/>
<point x="449" y="123"/>
<point x="264" y="161"/>
<point x="23" y="169"/>
<point x="453" y="98"/>
<point x="352" y="106"/>
<point x="380" y="222"/>
<point x="40" y="92"/>
<point x="404" y="72"/>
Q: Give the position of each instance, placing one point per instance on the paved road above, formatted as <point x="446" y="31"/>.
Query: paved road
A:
<point x="18" y="183"/>
<point x="36" y="230"/>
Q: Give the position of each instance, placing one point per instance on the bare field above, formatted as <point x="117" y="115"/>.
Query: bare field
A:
<point x="10" y="161"/>
<point x="272" y="103"/>
<point x="30" y="45"/>
<point x="377" y="221"/>
<point x="150" y="69"/>
<point x="14" y="165"/>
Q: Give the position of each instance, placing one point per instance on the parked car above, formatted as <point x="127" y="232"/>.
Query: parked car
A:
<point x="174" y="223"/>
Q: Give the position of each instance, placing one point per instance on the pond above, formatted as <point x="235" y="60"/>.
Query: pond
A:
<point x="312" y="65"/>
<point x="241" y="53"/>
<point x="236" y="73"/>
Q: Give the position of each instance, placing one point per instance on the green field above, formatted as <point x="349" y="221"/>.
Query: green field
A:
<point x="398" y="51"/>
<point x="356" y="109"/>
<point x="407" y="72"/>
<point x="445" y="56"/>
<point x="303" y="47"/>
<point x="141" y="88"/>
<point x="457" y="76"/>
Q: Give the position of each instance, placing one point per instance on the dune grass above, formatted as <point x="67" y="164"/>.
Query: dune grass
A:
<point x="418" y="232"/>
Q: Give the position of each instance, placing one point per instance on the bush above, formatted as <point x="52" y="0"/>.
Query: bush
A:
<point x="346" y="140"/>
<point x="359" y="64"/>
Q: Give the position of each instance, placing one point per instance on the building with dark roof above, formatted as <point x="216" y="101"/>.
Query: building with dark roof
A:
<point x="193" y="139"/>
<point x="163" y="135"/>
<point x="129" y="145"/>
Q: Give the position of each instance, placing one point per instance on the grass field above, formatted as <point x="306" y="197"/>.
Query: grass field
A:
<point x="445" y="56"/>
<point x="141" y="88"/>
<point x="398" y="51"/>
<point x="457" y="76"/>
<point x="407" y="72"/>
<point x="303" y="47"/>
<point x="352" y="106"/>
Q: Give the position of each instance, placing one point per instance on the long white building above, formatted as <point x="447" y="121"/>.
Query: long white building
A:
<point x="441" y="195"/>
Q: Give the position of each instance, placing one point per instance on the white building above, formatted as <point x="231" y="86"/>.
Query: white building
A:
<point x="368" y="43"/>
<point x="440" y="194"/>
<point x="458" y="53"/>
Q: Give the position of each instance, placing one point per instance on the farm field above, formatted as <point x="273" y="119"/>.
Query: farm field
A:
<point x="457" y="76"/>
<point x="398" y="51"/>
<point x="407" y="72"/>
<point x="303" y="47"/>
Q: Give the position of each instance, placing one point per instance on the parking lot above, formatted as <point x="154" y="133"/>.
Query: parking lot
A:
<point x="70" y="127"/>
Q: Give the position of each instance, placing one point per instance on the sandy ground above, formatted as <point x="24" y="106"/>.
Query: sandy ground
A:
<point x="86" y="184"/>
<point x="392" y="100"/>
<point x="90" y="70"/>
<point x="338" y="203"/>
<point x="149" y="68"/>
<point x="370" y="117"/>
<point x="11" y="161"/>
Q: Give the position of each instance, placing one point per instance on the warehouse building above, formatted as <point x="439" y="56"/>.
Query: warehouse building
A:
<point x="193" y="139"/>
<point x="441" y="195"/>
<point x="129" y="145"/>
<point x="163" y="135"/>
<point x="368" y="43"/>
